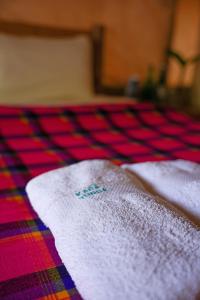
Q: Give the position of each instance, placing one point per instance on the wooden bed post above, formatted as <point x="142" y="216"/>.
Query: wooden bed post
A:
<point x="196" y="87"/>
<point x="98" y="39"/>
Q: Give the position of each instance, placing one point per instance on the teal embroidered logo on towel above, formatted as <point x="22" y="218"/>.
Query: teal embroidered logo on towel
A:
<point x="91" y="190"/>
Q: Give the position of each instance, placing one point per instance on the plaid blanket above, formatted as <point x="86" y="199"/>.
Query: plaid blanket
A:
<point x="35" y="140"/>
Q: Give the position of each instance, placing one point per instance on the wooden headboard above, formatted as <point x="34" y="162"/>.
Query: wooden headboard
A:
<point x="95" y="35"/>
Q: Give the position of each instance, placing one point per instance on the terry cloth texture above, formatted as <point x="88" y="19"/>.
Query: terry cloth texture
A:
<point x="177" y="181"/>
<point x="117" y="240"/>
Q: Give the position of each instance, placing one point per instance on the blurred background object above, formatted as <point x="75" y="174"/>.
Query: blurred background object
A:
<point x="133" y="87"/>
<point x="196" y="83"/>
<point x="183" y="77"/>
<point x="185" y="38"/>
<point x="136" y="31"/>
<point x="137" y="34"/>
<point x="148" y="90"/>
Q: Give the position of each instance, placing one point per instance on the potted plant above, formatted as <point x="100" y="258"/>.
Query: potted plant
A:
<point x="181" y="95"/>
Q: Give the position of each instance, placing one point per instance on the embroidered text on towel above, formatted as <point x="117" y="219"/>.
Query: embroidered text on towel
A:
<point x="91" y="190"/>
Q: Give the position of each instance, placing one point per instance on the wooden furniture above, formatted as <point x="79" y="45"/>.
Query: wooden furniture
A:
<point x="96" y="36"/>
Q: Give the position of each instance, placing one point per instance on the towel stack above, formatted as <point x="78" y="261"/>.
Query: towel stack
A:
<point x="118" y="238"/>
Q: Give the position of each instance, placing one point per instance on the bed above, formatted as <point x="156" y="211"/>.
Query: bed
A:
<point x="36" y="139"/>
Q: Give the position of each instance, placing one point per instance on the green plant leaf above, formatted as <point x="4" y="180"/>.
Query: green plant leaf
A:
<point x="177" y="56"/>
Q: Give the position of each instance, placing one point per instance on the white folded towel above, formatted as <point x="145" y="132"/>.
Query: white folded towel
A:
<point x="116" y="240"/>
<point x="177" y="181"/>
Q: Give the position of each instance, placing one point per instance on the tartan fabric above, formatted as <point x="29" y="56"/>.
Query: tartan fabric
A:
<point x="38" y="139"/>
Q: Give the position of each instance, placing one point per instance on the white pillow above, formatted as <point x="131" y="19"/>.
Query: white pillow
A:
<point x="33" y="68"/>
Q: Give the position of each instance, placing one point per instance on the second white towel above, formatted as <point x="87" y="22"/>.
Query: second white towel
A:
<point x="177" y="181"/>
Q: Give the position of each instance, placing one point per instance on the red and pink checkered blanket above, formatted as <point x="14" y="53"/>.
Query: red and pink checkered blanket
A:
<point x="35" y="140"/>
